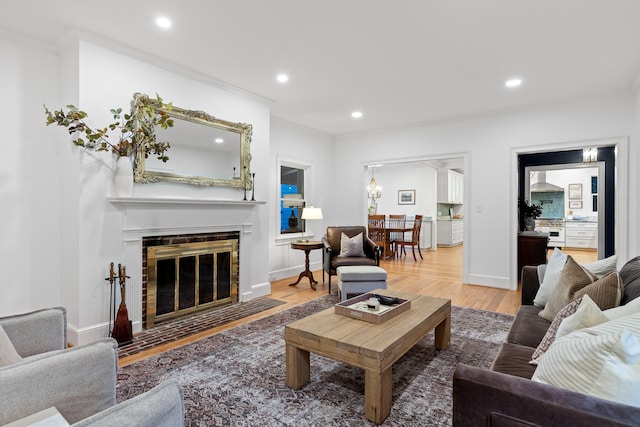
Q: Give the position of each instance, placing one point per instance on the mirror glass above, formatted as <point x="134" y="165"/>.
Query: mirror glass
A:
<point x="205" y="150"/>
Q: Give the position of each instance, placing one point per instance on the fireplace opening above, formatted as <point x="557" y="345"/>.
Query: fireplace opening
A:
<point x="189" y="277"/>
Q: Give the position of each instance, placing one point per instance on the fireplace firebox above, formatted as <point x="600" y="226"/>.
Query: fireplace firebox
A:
<point x="190" y="276"/>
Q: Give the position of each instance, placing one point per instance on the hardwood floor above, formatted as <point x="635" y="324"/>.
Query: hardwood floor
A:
<point x="439" y="274"/>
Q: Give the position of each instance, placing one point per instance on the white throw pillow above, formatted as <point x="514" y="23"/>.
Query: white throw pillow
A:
<point x="587" y="315"/>
<point x="629" y="308"/>
<point x="351" y="246"/>
<point x="554" y="267"/>
<point x="602" y="267"/>
<point x="605" y="366"/>
<point x="8" y="353"/>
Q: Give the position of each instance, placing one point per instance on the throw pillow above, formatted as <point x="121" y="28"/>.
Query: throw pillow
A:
<point x="351" y="246"/>
<point x="602" y="267"/>
<point x="587" y="315"/>
<point x="630" y="276"/>
<point x="573" y="277"/>
<point x="554" y="267"/>
<point x="8" y="353"/>
<point x="631" y="307"/>
<point x="550" y="335"/>
<point x="605" y="292"/>
<point x="605" y="366"/>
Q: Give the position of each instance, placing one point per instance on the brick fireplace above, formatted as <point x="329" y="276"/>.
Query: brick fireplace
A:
<point x="186" y="274"/>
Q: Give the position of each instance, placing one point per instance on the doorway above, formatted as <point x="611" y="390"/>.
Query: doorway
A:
<point x="605" y="205"/>
<point x="571" y="197"/>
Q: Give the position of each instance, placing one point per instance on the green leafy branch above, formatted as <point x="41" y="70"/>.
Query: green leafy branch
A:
<point x="135" y="130"/>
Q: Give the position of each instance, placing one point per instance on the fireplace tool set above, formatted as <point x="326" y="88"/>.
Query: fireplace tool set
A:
<point x="119" y="324"/>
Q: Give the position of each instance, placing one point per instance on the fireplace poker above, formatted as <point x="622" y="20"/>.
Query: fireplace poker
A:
<point x="112" y="300"/>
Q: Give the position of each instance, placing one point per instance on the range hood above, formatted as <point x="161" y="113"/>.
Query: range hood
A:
<point x="542" y="186"/>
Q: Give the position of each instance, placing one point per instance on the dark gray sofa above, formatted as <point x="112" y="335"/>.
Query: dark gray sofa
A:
<point x="504" y="395"/>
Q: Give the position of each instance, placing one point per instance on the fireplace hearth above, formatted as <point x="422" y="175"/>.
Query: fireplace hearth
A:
<point x="188" y="274"/>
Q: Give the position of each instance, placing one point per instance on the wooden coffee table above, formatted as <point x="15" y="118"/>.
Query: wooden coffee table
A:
<point x="372" y="347"/>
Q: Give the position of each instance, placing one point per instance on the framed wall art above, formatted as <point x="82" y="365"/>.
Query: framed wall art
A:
<point x="574" y="204"/>
<point x="575" y="191"/>
<point x="406" y="197"/>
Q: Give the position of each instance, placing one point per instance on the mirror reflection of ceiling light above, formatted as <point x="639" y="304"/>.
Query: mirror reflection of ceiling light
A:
<point x="513" y="83"/>
<point x="356" y="114"/>
<point x="282" y="78"/>
<point x="163" y="22"/>
<point x="218" y="140"/>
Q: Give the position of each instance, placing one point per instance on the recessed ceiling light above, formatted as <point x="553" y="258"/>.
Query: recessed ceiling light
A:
<point x="163" y="22"/>
<point x="218" y="140"/>
<point x="513" y="83"/>
<point x="356" y="114"/>
<point x="282" y="78"/>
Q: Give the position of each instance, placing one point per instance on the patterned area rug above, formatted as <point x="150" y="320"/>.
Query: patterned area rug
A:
<point x="237" y="377"/>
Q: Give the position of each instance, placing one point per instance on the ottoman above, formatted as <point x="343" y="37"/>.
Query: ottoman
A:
<point x="358" y="279"/>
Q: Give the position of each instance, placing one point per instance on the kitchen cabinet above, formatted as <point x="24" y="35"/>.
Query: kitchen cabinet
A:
<point x="450" y="186"/>
<point x="581" y="235"/>
<point x="450" y="232"/>
<point x="426" y="234"/>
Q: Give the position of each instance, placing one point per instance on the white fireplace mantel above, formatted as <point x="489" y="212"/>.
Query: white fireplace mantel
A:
<point x="172" y="201"/>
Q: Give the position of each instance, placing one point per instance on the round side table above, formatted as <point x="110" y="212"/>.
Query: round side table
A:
<point x="306" y="247"/>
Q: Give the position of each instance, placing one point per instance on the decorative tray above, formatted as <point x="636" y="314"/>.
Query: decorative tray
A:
<point x="356" y="308"/>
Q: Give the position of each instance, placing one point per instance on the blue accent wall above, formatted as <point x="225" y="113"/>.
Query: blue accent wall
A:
<point x="552" y="203"/>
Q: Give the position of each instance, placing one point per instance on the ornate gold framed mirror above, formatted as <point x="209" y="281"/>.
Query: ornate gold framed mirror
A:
<point x="205" y="151"/>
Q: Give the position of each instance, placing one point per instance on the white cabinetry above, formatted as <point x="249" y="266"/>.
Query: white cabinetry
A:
<point x="425" y="234"/>
<point x="581" y="235"/>
<point x="450" y="186"/>
<point x="450" y="232"/>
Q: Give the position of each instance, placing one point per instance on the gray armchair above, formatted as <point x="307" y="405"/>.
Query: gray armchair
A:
<point x="79" y="382"/>
<point x="330" y="259"/>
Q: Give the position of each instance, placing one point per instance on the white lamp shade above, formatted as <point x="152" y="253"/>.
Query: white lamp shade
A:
<point x="311" y="213"/>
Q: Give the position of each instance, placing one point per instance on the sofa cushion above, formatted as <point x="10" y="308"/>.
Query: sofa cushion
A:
<point x="604" y="365"/>
<point x="550" y="335"/>
<point x="573" y="277"/>
<point x="351" y="246"/>
<point x="630" y="276"/>
<point x="605" y="292"/>
<point x="8" y="353"/>
<point x="513" y="359"/>
<point x="587" y="315"/>
<point x="627" y="309"/>
<point x="602" y="267"/>
<point x="528" y="328"/>
<point x="550" y="278"/>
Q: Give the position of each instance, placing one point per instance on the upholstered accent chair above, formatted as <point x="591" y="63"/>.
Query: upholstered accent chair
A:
<point x="80" y="382"/>
<point x="331" y="258"/>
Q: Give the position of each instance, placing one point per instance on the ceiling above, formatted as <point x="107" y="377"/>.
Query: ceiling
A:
<point x="399" y="62"/>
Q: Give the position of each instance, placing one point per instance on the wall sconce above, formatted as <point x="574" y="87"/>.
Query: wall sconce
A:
<point x="374" y="192"/>
<point x="590" y="155"/>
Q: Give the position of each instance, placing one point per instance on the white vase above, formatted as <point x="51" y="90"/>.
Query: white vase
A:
<point x="124" y="177"/>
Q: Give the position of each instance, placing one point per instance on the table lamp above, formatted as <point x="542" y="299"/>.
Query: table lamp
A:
<point x="309" y="213"/>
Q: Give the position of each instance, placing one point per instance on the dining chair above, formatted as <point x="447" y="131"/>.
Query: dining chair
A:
<point x="415" y="238"/>
<point x="377" y="231"/>
<point x="396" y="222"/>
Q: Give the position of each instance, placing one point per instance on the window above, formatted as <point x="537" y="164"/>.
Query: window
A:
<point x="292" y="199"/>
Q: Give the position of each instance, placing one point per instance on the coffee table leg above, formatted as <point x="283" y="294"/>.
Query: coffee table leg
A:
<point x="377" y="395"/>
<point x="298" y="372"/>
<point x="443" y="333"/>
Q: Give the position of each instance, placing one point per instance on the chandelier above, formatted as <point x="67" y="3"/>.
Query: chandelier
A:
<point x="374" y="191"/>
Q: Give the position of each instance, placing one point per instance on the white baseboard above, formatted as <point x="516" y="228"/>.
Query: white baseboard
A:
<point x="294" y="271"/>
<point x="491" y="281"/>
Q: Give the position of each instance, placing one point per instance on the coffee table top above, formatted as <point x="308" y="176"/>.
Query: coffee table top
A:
<point x="364" y="344"/>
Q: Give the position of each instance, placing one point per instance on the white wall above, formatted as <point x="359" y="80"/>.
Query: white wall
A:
<point x="59" y="231"/>
<point x="29" y="188"/>
<point x="307" y="147"/>
<point x="487" y="143"/>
